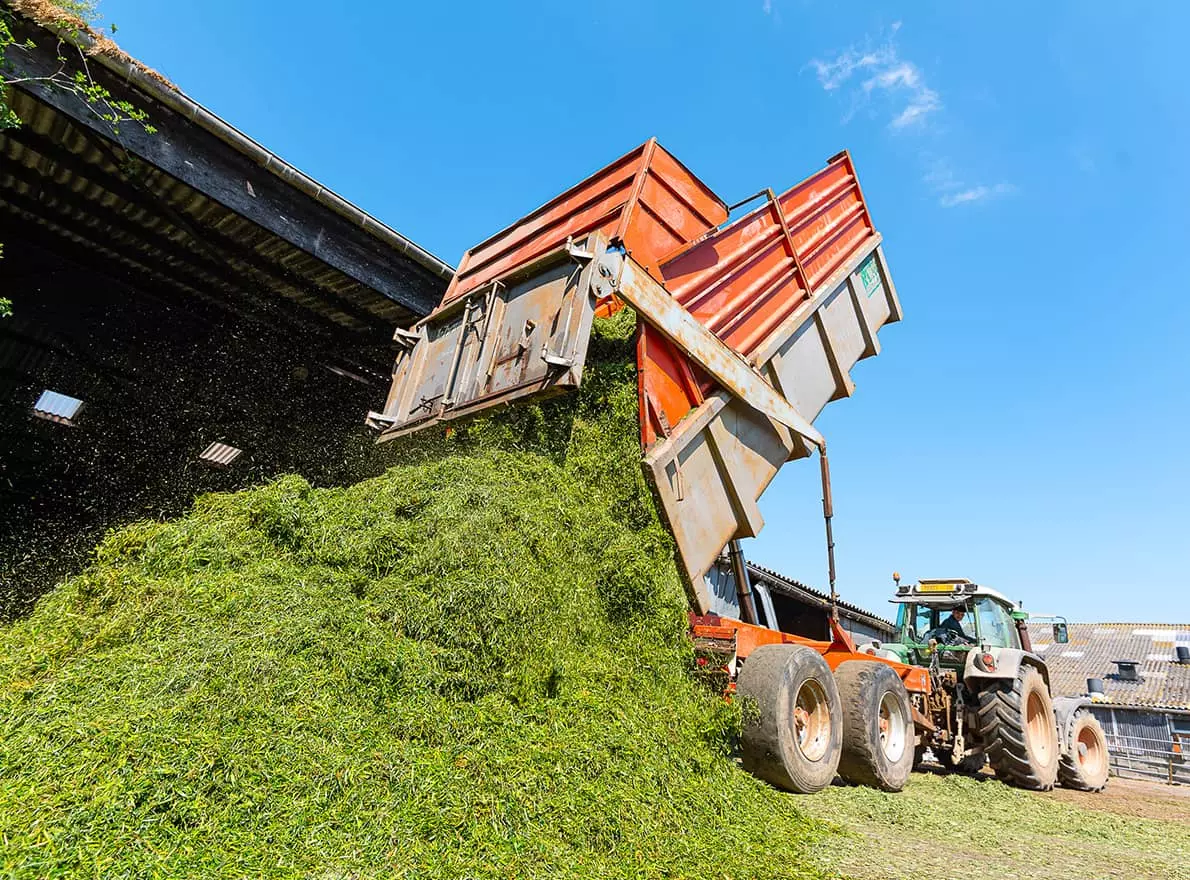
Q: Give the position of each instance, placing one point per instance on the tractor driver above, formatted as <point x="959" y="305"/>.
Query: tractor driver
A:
<point x="954" y="623"/>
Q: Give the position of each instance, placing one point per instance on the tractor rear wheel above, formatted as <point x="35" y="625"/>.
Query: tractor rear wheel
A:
<point x="878" y="737"/>
<point x="1019" y="732"/>
<point x="792" y="737"/>
<point x="1085" y="764"/>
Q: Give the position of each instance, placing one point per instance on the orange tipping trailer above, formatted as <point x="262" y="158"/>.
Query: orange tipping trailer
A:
<point x="737" y="640"/>
<point x="746" y="329"/>
<point x="646" y="200"/>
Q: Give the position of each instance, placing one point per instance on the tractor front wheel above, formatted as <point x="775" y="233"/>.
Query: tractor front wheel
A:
<point x="1085" y="764"/>
<point x="878" y="741"/>
<point x="1019" y="731"/>
<point x="793" y="725"/>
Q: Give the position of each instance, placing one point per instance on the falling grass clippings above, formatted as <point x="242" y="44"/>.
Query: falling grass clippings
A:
<point x="472" y="666"/>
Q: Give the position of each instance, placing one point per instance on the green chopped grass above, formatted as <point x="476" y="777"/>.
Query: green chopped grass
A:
<point x="955" y="826"/>
<point x="472" y="666"/>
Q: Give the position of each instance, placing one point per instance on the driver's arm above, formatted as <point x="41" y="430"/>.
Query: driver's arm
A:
<point x="962" y="632"/>
<point x="955" y="627"/>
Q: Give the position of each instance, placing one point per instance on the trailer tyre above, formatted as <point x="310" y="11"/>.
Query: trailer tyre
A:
<point x="793" y="727"/>
<point x="878" y="739"/>
<point x="1019" y="732"/>
<point x="1084" y="766"/>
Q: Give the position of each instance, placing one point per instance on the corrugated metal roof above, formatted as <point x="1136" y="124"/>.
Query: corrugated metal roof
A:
<point x="221" y="454"/>
<point x="1093" y="648"/>
<point x="104" y="52"/>
<point x="781" y="580"/>
<point x="54" y="175"/>
<point x="57" y="407"/>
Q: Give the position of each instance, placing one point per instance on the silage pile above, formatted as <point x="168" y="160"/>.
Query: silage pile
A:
<point x="472" y="666"/>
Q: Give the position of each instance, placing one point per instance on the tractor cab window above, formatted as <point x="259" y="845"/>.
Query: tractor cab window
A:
<point x="915" y="621"/>
<point x="924" y="620"/>
<point x="996" y="626"/>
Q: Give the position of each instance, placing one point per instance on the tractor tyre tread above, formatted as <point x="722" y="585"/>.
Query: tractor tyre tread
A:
<point x="1071" y="773"/>
<point x="1003" y="733"/>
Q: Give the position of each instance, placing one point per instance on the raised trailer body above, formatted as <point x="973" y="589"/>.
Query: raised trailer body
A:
<point x="746" y="330"/>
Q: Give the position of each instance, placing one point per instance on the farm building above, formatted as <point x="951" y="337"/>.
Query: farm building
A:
<point x="1139" y="677"/>
<point x="190" y="313"/>
<point x="791" y="606"/>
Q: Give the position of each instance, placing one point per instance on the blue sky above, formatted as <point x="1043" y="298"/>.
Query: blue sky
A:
<point x="1026" y="426"/>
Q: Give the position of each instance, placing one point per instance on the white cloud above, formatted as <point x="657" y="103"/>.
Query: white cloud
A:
<point x="876" y="76"/>
<point x="923" y="102"/>
<point x="904" y="74"/>
<point x="898" y="81"/>
<point x="833" y="74"/>
<point x="975" y="194"/>
<point x="953" y="191"/>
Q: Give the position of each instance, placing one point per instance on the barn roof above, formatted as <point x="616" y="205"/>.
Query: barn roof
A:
<point x="195" y="206"/>
<point x="1093" y="648"/>
<point x="814" y="596"/>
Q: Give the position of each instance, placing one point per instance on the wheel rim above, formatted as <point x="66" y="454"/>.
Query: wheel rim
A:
<point x="893" y="727"/>
<point x="812" y="721"/>
<point x="1041" y="733"/>
<point x="1092" y="757"/>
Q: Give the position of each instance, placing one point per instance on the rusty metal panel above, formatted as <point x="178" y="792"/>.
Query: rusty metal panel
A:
<point x="526" y="334"/>
<point x="646" y="201"/>
<point x="746" y="281"/>
<point x="711" y="470"/>
<point x="622" y="276"/>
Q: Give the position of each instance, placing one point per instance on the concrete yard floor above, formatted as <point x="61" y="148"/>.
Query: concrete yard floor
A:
<point x="950" y="826"/>
<point x="1134" y="797"/>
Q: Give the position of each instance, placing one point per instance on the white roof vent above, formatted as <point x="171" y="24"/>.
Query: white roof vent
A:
<point x="55" y="407"/>
<point x="220" y="454"/>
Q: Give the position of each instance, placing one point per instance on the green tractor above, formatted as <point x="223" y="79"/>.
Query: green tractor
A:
<point x="990" y="699"/>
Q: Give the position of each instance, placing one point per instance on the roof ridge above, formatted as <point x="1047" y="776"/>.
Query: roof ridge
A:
<point x="1134" y="625"/>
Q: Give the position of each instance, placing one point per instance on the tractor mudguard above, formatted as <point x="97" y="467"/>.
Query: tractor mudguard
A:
<point x="1008" y="663"/>
<point x="1065" y="709"/>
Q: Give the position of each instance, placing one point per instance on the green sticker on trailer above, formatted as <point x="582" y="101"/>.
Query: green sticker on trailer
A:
<point x="869" y="275"/>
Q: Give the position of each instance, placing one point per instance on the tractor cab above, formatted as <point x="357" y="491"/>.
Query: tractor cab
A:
<point x="989" y="699"/>
<point x="950" y="617"/>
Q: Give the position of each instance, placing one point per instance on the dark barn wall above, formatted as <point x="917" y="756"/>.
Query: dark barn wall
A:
<point x="159" y="381"/>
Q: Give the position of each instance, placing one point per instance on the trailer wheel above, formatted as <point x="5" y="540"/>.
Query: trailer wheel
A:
<point x="1085" y="765"/>
<point x="1019" y="731"/>
<point x="792" y="738"/>
<point x="878" y="745"/>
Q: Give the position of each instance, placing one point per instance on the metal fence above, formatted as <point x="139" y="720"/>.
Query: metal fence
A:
<point x="1145" y="745"/>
